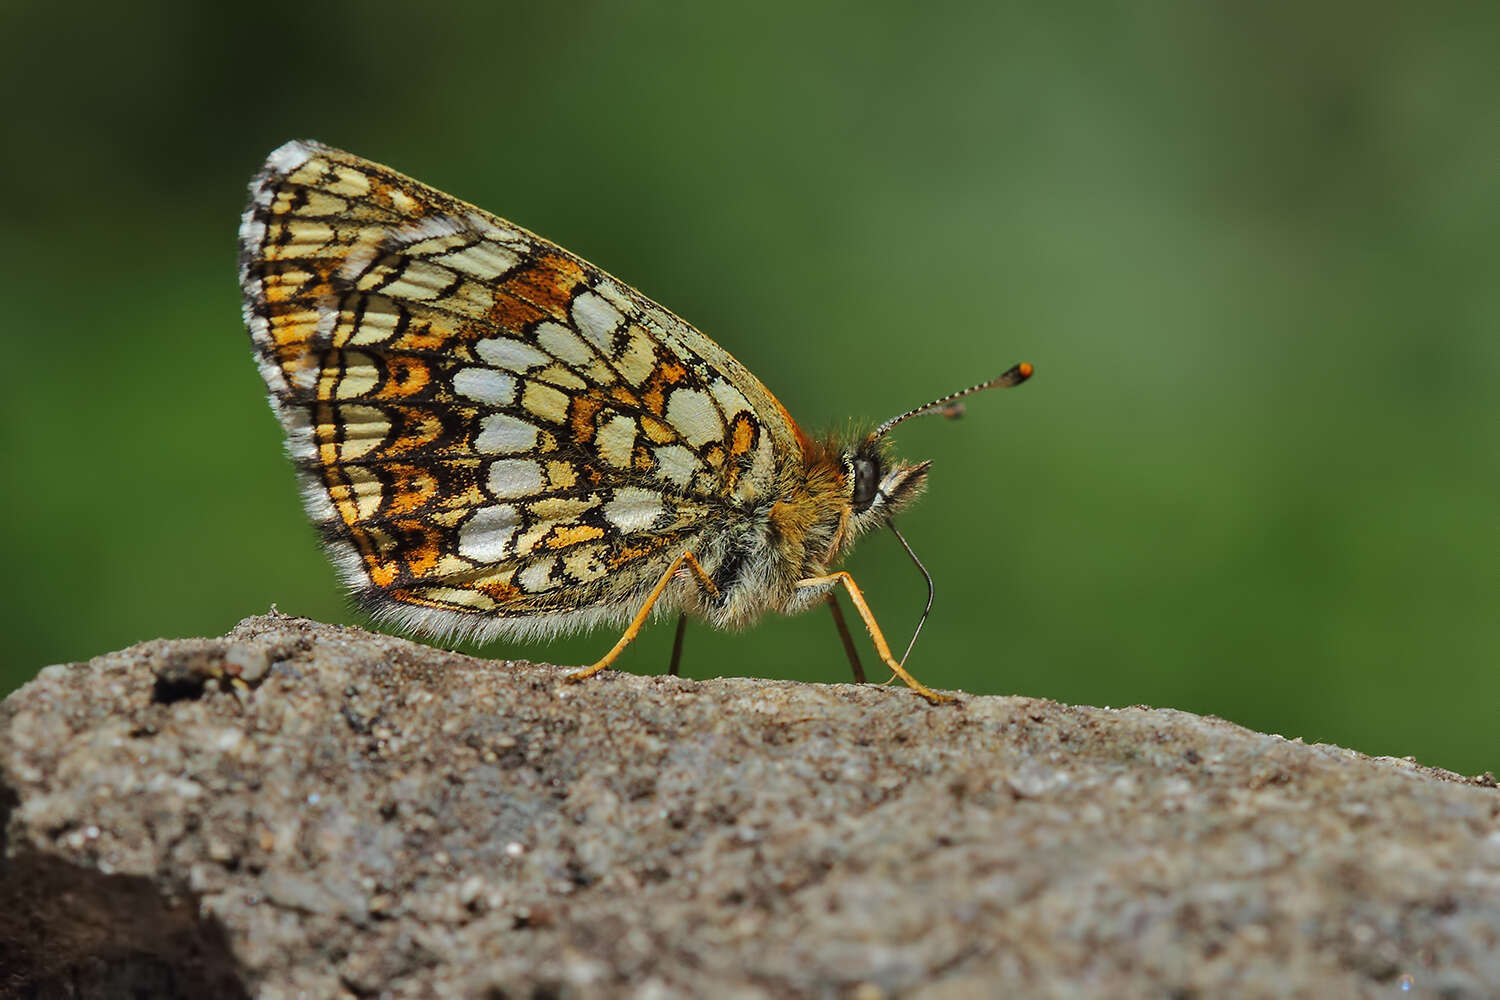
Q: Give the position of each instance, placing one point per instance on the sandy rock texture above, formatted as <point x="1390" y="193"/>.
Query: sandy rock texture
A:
<point x="297" y="809"/>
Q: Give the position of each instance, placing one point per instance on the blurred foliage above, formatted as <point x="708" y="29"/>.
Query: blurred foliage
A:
<point x="1251" y="249"/>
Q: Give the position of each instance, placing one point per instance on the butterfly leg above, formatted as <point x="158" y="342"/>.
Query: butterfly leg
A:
<point x="677" y="644"/>
<point x="634" y="628"/>
<point x="846" y="639"/>
<point x="876" y="636"/>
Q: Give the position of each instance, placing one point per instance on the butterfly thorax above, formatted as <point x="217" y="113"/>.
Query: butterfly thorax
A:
<point x="823" y="500"/>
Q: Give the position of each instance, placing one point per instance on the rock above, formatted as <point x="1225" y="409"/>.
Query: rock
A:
<point x="298" y="809"/>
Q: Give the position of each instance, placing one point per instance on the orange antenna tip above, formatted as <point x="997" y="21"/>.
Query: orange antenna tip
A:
<point x="949" y="406"/>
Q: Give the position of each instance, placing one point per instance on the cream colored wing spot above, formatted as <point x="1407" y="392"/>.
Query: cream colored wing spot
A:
<point x="762" y="466"/>
<point x="471" y="298"/>
<point x="562" y="376"/>
<point x="510" y="354"/>
<point x="364" y="428"/>
<point x="420" y="281"/>
<point x="545" y="401"/>
<point x="563" y="344"/>
<point x="527" y="541"/>
<point x="730" y="400"/>
<point x="584" y="564"/>
<point x="298" y="239"/>
<point x="359" y="377"/>
<point x="616" y="440"/>
<point x="309" y="173"/>
<point x="320" y="204"/>
<point x="459" y="598"/>
<point x="402" y="202"/>
<point x="693" y="414"/>
<point x="633" y="509"/>
<point x="432" y="234"/>
<point x="599" y="373"/>
<point x="561" y="475"/>
<point x="348" y="183"/>
<point x="366" y="276"/>
<point x="554" y="509"/>
<point x="376" y="324"/>
<point x="363" y="490"/>
<point x="488" y="536"/>
<point x="503" y="434"/>
<point x="485" y="385"/>
<point x="677" y="464"/>
<point x="614" y="294"/>
<point x="484" y="261"/>
<point x="537" y="577"/>
<point x="597" y="320"/>
<point x="286" y="286"/>
<point x="514" y="477"/>
<point x="637" y="361"/>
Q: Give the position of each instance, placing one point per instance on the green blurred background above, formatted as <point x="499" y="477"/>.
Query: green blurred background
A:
<point x="1250" y="248"/>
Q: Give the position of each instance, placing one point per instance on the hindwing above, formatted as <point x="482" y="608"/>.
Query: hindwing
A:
<point x="493" y="435"/>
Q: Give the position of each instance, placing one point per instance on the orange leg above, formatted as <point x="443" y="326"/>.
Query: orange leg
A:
<point x="634" y="628"/>
<point x="881" y="646"/>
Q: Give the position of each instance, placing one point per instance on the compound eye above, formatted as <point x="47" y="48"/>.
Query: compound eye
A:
<point x="866" y="483"/>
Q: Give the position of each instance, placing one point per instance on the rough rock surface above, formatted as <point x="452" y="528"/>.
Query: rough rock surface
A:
<point x="359" y="815"/>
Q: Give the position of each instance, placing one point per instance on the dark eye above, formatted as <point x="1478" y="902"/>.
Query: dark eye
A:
<point x="866" y="482"/>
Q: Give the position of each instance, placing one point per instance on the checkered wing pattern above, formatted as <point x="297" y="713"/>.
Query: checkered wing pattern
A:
<point x="494" y="436"/>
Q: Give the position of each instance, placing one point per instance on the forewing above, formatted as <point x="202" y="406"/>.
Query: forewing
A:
<point x="490" y="431"/>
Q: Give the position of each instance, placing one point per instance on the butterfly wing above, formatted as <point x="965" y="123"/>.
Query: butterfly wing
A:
<point x="494" y="436"/>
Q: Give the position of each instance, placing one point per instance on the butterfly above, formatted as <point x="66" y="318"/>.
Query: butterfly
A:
<point x="498" y="439"/>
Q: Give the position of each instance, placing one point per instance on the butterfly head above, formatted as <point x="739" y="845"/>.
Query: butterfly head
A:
<point x="877" y="486"/>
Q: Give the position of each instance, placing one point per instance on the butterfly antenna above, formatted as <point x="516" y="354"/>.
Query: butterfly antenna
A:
<point x="926" y="576"/>
<point x="947" y="404"/>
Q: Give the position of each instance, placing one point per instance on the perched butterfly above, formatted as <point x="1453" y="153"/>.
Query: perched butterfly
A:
<point x="496" y="438"/>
